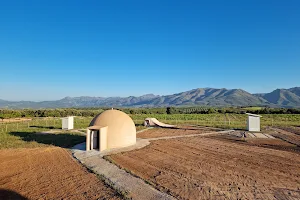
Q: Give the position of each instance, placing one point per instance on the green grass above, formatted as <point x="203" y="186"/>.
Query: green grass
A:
<point x="252" y="108"/>
<point x="30" y="138"/>
<point x="23" y="134"/>
<point x="222" y="120"/>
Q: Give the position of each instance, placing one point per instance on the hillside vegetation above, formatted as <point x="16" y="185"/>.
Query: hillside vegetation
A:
<point x="196" y="97"/>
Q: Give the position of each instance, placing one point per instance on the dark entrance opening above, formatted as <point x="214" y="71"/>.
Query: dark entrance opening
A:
<point x="95" y="140"/>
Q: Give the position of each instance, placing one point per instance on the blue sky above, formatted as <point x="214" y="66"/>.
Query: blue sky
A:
<point x="52" y="49"/>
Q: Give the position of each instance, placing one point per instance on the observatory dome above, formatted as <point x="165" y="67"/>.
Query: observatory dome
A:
<point x="121" y="131"/>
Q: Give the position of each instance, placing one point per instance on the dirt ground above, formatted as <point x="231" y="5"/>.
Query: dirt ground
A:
<point x="291" y="134"/>
<point x="182" y="130"/>
<point x="48" y="173"/>
<point x="292" y="129"/>
<point x="277" y="143"/>
<point x="211" y="168"/>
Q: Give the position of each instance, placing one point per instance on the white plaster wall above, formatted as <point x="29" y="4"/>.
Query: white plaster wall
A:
<point x="68" y="123"/>
<point x="253" y="123"/>
<point x="121" y="130"/>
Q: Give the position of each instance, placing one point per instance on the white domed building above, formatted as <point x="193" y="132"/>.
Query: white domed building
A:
<point x="110" y="129"/>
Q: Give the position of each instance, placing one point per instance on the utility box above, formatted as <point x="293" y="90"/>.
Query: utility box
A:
<point x="67" y="123"/>
<point x="253" y="122"/>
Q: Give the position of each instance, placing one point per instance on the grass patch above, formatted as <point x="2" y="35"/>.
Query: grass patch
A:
<point x="32" y="138"/>
<point x="140" y="127"/>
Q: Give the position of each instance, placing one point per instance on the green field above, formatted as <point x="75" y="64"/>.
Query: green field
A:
<point x="22" y="134"/>
<point x="252" y="108"/>
<point x="222" y="120"/>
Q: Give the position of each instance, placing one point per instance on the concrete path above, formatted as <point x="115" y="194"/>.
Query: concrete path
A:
<point x="269" y="136"/>
<point x="121" y="180"/>
<point x="260" y="135"/>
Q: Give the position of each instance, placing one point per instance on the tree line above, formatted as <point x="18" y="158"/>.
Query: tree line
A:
<point x="91" y="112"/>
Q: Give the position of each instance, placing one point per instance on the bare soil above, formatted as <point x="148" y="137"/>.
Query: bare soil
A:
<point x="48" y="173"/>
<point x="208" y="168"/>
<point x="291" y="135"/>
<point x="183" y="130"/>
<point x="292" y="129"/>
<point x="235" y="137"/>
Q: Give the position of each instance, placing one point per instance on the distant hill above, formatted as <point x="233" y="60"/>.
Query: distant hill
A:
<point x="201" y="96"/>
<point x="283" y="97"/>
<point x="295" y="90"/>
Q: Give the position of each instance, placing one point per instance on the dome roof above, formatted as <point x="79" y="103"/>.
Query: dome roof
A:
<point x="121" y="131"/>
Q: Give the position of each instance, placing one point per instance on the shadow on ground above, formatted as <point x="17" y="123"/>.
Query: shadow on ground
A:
<point x="9" y="194"/>
<point x="48" y="127"/>
<point x="65" y="140"/>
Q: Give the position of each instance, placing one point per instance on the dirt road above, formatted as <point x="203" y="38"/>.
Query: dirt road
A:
<point x="206" y="168"/>
<point x="48" y="173"/>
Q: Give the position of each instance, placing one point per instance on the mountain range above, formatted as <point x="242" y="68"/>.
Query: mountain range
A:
<point x="289" y="98"/>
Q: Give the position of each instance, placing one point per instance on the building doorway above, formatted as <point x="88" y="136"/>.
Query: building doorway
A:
<point x="94" y="139"/>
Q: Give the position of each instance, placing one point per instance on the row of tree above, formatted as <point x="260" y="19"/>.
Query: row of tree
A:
<point x="91" y="112"/>
<point x="6" y="113"/>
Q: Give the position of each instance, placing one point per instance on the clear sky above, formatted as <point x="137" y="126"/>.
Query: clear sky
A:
<point x="51" y="49"/>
